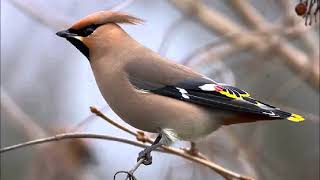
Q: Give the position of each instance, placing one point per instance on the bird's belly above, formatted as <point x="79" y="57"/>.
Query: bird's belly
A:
<point x="151" y="112"/>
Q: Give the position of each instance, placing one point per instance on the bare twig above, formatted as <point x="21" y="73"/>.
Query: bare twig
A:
<point x="20" y="118"/>
<point x="214" y="21"/>
<point x="100" y="114"/>
<point x="217" y="168"/>
<point x="221" y="48"/>
<point x="63" y="136"/>
<point x="250" y="14"/>
<point x="178" y="152"/>
<point x="259" y="22"/>
<point x="85" y="121"/>
<point x="290" y="18"/>
<point x="42" y="14"/>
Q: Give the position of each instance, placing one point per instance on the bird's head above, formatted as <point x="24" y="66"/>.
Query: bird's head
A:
<point x="97" y="30"/>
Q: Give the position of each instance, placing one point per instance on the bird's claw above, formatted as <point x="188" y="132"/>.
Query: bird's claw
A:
<point x="146" y="156"/>
<point x="191" y="151"/>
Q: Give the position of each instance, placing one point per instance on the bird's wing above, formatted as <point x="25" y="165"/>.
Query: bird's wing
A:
<point x="179" y="82"/>
<point x="225" y="97"/>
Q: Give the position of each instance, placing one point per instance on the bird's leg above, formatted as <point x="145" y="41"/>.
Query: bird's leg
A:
<point x="146" y="153"/>
<point x="193" y="150"/>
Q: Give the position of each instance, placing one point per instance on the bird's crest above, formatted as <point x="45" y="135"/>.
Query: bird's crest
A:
<point x="103" y="17"/>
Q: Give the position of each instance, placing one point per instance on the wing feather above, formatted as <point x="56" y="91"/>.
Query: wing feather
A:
<point x="206" y="92"/>
<point x="215" y="95"/>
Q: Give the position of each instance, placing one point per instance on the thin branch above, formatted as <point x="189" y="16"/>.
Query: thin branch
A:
<point x="63" y="136"/>
<point x="250" y="14"/>
<point x="291" y="18"/>
<point x="219" y="49"/>
<point x="170" y="150"/>
<point x="100" y="114"/>
<point x="20" y="118"/>
<point x="256" y="20"/>
<point x="217" y="168"/>
<point x="216" y="22"/>
<point x="42" y="14"/>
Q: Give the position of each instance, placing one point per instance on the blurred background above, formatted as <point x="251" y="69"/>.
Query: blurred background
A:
<point x="262" y="46"/>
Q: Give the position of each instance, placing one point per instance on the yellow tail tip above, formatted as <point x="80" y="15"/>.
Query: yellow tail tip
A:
<point x="295" y="118"/>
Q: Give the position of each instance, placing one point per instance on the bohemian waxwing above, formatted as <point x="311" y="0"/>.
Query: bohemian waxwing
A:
<point x="154" y="94"/>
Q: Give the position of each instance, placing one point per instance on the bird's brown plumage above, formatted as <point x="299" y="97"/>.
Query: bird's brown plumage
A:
<point x="120" y="64"/>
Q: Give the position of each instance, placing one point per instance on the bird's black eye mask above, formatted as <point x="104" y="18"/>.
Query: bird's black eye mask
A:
<point x="84" y="32"/>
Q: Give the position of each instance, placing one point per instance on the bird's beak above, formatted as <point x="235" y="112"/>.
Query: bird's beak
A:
<point x="66" y="34"/>
<point x="76" y="40"/>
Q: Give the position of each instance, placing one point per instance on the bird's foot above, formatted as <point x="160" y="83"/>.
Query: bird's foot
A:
<point x="194" y="151"/>
<point x="146" y="156"/>
<point x="191" y="151"/>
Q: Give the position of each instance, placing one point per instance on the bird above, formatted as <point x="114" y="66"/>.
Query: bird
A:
<point x="156" y="95"/>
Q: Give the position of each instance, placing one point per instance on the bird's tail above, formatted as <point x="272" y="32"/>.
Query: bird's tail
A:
<point x="289" y="116"/>
<point x="273" y="115"/>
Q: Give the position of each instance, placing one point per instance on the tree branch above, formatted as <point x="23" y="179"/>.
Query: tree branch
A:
<point x="42" y="14"/>
<point x="63" y="136"/>
<point x="292" y="56"/>
<point x="217" y="168"/>
<point x="216" y="22"/>
<point x="20" y="118"/>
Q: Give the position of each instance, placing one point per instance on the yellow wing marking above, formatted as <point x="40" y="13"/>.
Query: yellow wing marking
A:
<point x="245" y="95"/>
<point x="295" y="118"/>
<point x="233" y="96"/>
<point x="228" y="94"/>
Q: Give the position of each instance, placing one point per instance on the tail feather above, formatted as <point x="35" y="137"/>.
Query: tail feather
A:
<point x="295" y="118"/>
<point x="278" y="114"/>
<point x="274" y="115"/>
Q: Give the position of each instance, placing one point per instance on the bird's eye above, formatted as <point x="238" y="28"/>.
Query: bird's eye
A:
<point x="86" y="31"/>
<point x="89" y="30"/>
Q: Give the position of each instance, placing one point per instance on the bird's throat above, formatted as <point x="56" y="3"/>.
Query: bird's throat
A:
<point x="80" y="46"/>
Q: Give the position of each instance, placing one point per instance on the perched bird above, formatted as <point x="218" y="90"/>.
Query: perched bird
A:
<point x="154" y="94"/>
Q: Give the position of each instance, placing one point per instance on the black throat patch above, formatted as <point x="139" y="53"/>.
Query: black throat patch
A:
<point x="80" y="46"/>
